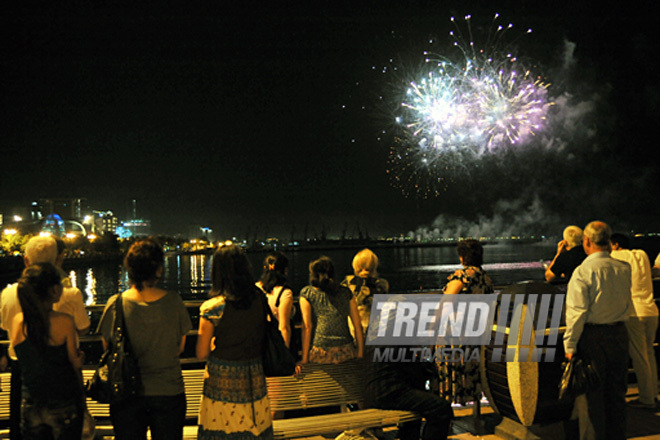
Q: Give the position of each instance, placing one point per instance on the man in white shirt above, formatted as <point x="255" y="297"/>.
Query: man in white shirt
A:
<point x="643" y="322"/>
<point x="598" y="303"/>
<point x="656" y="267"/>
<point x="71" y="301"/>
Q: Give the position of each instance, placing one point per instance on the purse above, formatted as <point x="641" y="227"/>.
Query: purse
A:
<point x="277" y="359"/>
<point x="118" y="376"/>
<point x="579" y="375"/>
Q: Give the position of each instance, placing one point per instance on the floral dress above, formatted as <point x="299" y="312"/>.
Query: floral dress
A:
<point x="460" y="382"/>
<point x="363" y="290"/>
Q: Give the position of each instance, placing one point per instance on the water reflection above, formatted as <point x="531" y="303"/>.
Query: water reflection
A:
<point x="197" y="266"/>
<point x="90" y="289"/>
<point x="73" y="278"/>
<point x="407" y="269"/>
<point x="99" y="281"/>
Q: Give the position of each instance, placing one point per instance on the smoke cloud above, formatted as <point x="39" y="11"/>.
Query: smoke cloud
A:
<point x="511" y="218"/>
<point x="538" y="189"/>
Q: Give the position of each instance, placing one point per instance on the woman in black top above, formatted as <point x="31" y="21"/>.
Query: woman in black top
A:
<point x="46" y="344"/>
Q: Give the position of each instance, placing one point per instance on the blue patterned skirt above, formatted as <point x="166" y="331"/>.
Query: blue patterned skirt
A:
<point x="235" y="401"/>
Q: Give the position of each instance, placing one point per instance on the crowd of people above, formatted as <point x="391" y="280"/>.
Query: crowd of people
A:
<point x="610" y="310"/>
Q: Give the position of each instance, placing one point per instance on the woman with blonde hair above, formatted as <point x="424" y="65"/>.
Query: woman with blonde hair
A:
<point x="364" y="284"/>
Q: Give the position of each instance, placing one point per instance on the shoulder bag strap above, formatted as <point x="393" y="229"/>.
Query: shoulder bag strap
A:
<point x="121" y="323"/>
<point x="279" y="295"/>
<point x="267" y="311"/>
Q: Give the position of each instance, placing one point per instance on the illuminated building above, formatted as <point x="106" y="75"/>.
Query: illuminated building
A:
<point x="138" y="227"/>
<point x="67" y="208"/>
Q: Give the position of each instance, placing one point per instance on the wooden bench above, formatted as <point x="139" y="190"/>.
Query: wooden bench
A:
<point x="323" y="385"/>
<point x="318" y="386"/>
<point x="192" y="379"/>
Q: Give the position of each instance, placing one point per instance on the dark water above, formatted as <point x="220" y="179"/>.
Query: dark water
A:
<point x="407" y="269"/>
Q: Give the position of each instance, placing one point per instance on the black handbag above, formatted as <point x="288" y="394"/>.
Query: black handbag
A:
<point x="118" y="376"/>
<point x="277" y="359"/>
<point x="579" y="375"/>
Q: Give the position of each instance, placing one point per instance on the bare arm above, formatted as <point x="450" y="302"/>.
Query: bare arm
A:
<point x="549" y="274"/>
<point x="182" y="345"/>
<point x="75" y="355"/>
<point x="18" y="331"/>
<point x="204" y="337"/>
<point x="359" y="332"/>
<point x="284" y="317"/>
<point x="306" y="310"/>
<point x="453" y="287"/>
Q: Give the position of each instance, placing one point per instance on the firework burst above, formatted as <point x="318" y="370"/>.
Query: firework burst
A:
<point x="464" y="109"/>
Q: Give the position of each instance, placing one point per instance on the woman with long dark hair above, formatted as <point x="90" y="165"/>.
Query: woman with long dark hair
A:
<point x="46" y="344"/>
<point x="156" y="324"/>
<point x="231" y="335"/>
<point x="280" y="296"/>
<point x="326" y="306"/>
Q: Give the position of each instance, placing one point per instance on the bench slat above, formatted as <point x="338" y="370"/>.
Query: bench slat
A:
<point x="320" y="385"/>
<point x="335" y="423"/>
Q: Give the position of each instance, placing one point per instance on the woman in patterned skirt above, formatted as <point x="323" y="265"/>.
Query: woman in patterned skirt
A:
<point x="231" y="333"/>
<point x="459" y="381"/>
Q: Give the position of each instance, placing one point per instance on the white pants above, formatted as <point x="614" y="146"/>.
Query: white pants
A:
<point x="642" y="330"/>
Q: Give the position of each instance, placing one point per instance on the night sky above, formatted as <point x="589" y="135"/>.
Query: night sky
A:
<point x="280" y="118"/>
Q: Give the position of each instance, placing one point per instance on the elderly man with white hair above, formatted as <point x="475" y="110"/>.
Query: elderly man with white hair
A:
<point x="598" y="305"/>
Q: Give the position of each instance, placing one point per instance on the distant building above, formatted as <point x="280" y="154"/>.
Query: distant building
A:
<point x="53" y="224"/>
<point x="67" y="208"/>
<point x="106" y="221"/>
<point x="36" y="211"/>
<point x="109" y="223"/>
<point x="138" y="227"/>
<point x="206" y="233"/>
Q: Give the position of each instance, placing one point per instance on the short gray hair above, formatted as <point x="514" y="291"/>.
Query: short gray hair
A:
<point x="41" y="250"/>
<point x="573" y="235"/>
<point x="598" y="233"/>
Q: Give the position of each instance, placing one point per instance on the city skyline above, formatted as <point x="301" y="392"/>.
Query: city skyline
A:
<point x="270" y="119"/>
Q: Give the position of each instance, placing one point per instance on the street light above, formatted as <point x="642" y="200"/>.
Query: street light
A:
<point x="10" y="232"/>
